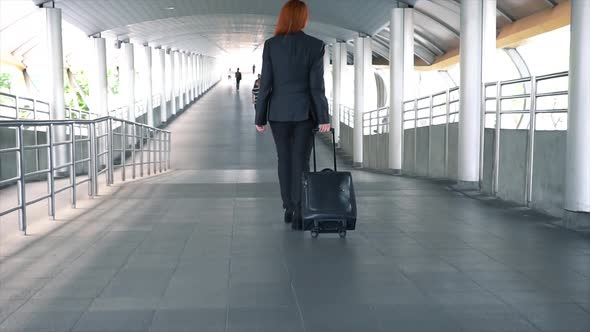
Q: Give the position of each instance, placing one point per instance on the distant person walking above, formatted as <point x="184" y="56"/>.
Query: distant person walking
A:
<point x="253" y="69"/>
<point x="255" y="90"/>
<point x="238" y="79"/>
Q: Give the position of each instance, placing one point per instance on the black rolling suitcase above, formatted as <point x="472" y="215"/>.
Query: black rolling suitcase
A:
<point x="328" y="203"/>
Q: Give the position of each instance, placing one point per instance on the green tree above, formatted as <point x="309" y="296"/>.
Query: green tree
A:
<point x="82" y="80"/>
<point x="5" y="82"/>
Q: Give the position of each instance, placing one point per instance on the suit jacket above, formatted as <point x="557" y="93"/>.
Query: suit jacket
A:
<point x="292" y="80"/>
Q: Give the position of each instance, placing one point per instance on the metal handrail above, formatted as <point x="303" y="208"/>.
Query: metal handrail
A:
<point x="20" y="105"/>
<point x="376" y="121"/>
<point x="100" y="135"/>
<point x="347" y="116"/>
<point x="442" y="108"/>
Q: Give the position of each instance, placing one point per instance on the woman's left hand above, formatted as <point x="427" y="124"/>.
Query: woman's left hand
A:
<point x="260" y="128"/>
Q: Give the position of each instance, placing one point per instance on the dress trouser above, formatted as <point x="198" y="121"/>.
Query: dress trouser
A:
<point x="293" y="141"/>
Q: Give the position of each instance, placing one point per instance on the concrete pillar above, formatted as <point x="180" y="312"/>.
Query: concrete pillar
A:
<point x="489" y="41"/>
<point x="577" y="172"/>
<point x="488" y="66"/>
<point x="148" y="85"/>
<point x="206" y="69"/>
<point x="362" y="69"/>
<point x="401" y="67"/>
<point x="200" y="61"/>
<point x="162" y="78"/>
<point x="197" y="76"/>
<point x="338" y="65"/>
<point x="55" y="66"/>
<point x="194" y="76"/>
<point x="470" y="94"/>
<point x="98" y="82"/>
<point x="185" y="78"/>
<point x="189" y="78"/>
<point x="189" y="75"/>
<point x="181" y="71"/>
<point x="128" y="78"/>
<point x="173" y="92"/>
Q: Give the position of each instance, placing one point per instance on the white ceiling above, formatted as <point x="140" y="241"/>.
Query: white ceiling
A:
<point x="214" y="26"/>
<point x="218" y="26"/>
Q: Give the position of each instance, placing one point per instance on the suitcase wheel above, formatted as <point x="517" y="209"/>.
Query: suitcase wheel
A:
<point x="342" y="233"/>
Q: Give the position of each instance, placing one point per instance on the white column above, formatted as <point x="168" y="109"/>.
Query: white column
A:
<point x="173" y="92"/>
<point x="181" y="71"/>
<point x="185" y="78"/>
<point x="195" y="77"/>
<point x="577" y="172"/>
<point x="148" y="85"/>
<point x="470" y="96"/>
<point x="197" y="93"/>
<point x="189" y="78"/>
<point x="338" y="65"/>
<point x="488" y="64"/>
<point x="199" y="76"/>
<point x="206" y="69"/>
<point x="362" y="69"/>
<point x="98" y="83"/>
<point x="128" y="78"/>
<point x="489" y="41"/>
<point x="55" y="66"/>
<point x="401" y="67"/>
<point x="200" y="73"/>
<point x="191" y="60"/>
<point x="162" y="78"/>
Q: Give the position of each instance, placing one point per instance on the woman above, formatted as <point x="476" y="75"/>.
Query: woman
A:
<point x="292" y="99"/>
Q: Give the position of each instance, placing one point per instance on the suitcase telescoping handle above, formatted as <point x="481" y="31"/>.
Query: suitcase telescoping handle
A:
<point x="315" y="130"/>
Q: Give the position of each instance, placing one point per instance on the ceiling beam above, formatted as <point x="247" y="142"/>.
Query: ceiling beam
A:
<point x="438" y="21"/>
<point x="424" y="54"/>
<point x="513" y="34"/>
<point x="420" y="50"/>
<point x="433" y="47"/>
<point x="428" y="43"/>
<point x="551" y="3"/>
<point x="499" y="11"/>
<point x="420" y="44"/>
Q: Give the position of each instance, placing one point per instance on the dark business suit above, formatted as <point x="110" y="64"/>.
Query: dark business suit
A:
<point x="292" y="98"/>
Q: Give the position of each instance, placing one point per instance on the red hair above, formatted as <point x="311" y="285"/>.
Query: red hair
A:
<point x="293" y="17"/>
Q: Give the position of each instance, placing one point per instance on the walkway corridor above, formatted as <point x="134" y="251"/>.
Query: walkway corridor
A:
<point x="203" y="248"/>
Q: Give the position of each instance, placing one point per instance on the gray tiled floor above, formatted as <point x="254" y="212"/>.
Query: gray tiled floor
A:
<point x="203" y="248"/>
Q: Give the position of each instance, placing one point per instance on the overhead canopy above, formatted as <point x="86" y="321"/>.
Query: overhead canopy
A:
<point x="215" y="27"/>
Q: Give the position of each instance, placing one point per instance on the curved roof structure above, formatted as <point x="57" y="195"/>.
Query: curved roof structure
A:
<point x="215" y="27"/>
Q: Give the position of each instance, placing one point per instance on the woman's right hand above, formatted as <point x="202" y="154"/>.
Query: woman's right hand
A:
<point x="324" y="128"/>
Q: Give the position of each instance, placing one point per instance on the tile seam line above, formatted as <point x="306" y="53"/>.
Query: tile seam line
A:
<point x="229" y="265"/>
<point x="110" y="281"/>
<point x="101" y="235"/>
<point x="171" y="276"/>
